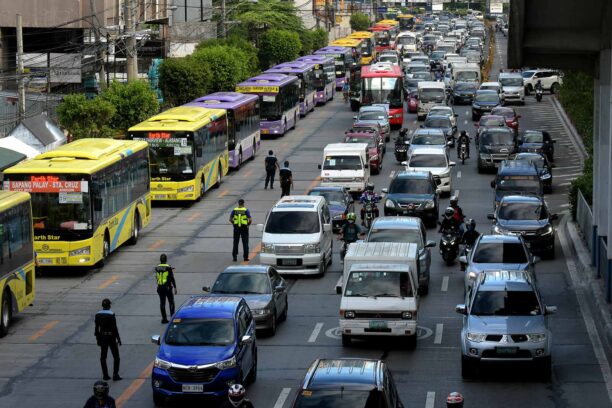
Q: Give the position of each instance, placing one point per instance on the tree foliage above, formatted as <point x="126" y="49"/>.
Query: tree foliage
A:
<point x="264" y="15"/>
<point x="276" y="46"/>
<point x="183" y="80"/>
<point x="359" y="21"/>
<point x="241" y="43"/>
<point x="84" y="117"/>
<point x="133" y="102"/>
<point x="228" y="66"/>
<point x="320" y="38"/>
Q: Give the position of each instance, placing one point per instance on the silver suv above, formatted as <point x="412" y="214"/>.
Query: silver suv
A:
<point x="504" y="320"/>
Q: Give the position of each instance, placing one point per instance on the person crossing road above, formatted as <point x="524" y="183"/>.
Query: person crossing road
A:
<point x="107" y="337"/>
<point x="166" y="286"/>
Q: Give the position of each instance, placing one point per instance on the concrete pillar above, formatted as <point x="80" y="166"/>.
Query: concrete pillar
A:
<point x="601" y="148"/>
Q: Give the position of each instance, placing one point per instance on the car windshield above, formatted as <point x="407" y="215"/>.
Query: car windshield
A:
<point x="382" y="90"/>
<point x="533" y="137"/>
<point x="440" y="111"/>
<point x="378" y="284"/>
<point x="410" y="186"/>
<point x="500" y="252"/>
<point x="293" y="222"/>
<point x="522" y="211"/>
<point x="468" y="76"/>
<point x="465" y="86"/>
<point x="200" y="332"/>
<point x="420" y="76"/>
<point x="518" y="183"/>
<point x="533" y="159"/>
<point x="436" y="55"/>
<point x="412" y="236"/>
<point x="527" y="74"/>
<point x="496" y="138"/>
<point x="511" y="81"/>
<point x="405" y="40"/>
<point x="371" y="115"/>
<point x="332" y="197"/>
<point x="432" y="95"/>
<point x="242" y="283"/>
<point x="360" y="139"/>
<point x="437" y="123"/>
<point x="342" y="163"/>
<point x="339" y="398"/>
<point x="428" y="160"/>
<point x="428" y="139"/>
<point x="505" y="303"/>
<point x="487" y="97"/>
<point x="492" y="122"/>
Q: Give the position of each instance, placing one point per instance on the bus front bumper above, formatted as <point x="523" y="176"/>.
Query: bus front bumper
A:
<point x="73" y="253"/>
<point x="174" y="190"/>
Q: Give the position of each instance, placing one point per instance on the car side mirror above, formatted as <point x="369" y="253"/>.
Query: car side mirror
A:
<point x="384" y="190"/>
<point x="156" y="339"/>
<point x="260" y="227"/>
<point x="461" y="309"/>
<point x="365" y="166"/>
<point x="463" y="259"/>
<point x="327" y="227"/>
<point x="452" y="164"/>
<point x="246" y="339"/>
<point x="550" y="310"/>
<point x="355" y="117"/>
<point x="456" y="115"/>
<point x="493" y="184"/>
<point x="319" y="167"/>
<point x="205" y="288"/>
<point x="430" y="244"/>
<point x="338" y="289"/>
<point x="491" y="216"/>
<point x="535" y="259"/>
<point x="279" y="289"/>
<point x="404" y="163"/>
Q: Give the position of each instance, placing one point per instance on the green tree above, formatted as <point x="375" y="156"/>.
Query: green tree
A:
<point x="320" y="38"/>
<point x="307" y="41"/>
<point x="133" y="102"/>
<point x="182" y="80"/>
<point x="276" y="46"/>
<point x="359" y="21"/>
<point x="241" y="43"/>
<point x="264" y="15"/>
<point x="84" y="117"/>
<point x="228" y="66"/>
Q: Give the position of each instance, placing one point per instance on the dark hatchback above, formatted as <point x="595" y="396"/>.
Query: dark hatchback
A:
<point x="509" y="115"/>
<point x="543" y="166"/>
<point x="348" y="383"/>
<point x="413" y="193"/>
<point x="339" y="202"/>
<point x="494" y="146"/>
<point x="536" y="141"/>
<point x="464" y="92"/>
<point x="443" y="123"/>
<point x="529" y="217"/>
<point x="484" y="102"/>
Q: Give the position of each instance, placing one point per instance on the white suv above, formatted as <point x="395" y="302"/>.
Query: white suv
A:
<point x="551" y="80"/>
<point x="435" y="160"/>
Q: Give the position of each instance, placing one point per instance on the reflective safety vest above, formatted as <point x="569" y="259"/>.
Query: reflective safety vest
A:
<point x="161" y="273"/>
<point x="240" y="217"/>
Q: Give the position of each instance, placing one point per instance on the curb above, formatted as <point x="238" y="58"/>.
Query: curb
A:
<point x="571" y="130"/>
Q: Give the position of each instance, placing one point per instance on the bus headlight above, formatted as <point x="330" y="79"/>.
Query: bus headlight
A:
<point x="81" y="251"/>
<point x="185" y="189"/>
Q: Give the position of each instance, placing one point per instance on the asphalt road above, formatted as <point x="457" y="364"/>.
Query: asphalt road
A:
<point x="50" y="357"/>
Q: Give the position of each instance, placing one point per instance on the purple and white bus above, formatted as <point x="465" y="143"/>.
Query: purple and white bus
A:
<point x="305" y="72"/>
<point x="343" y="59"/>
<point x="242" y="123"/>
<point x="325" y="76"/>
<point x="279" y="101"/>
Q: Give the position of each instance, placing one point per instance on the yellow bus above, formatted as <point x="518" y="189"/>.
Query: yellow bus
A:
<point x="189" y="151"/>
<point x="353" y="43"/>
<point x="17" y="276"/>
<point x="368" y="46"/>
<point x="388" y="22"/>
<point x="88" y="198"/>
<point x="406" y="22"/>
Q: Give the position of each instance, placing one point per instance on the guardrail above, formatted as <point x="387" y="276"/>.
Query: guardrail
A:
<point x="584" y="219"/>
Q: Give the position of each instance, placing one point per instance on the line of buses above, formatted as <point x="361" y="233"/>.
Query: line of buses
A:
<point x="75" y="205"/>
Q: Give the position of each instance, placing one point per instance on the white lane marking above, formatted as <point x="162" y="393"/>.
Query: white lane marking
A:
<point x="568" y="167"/>
<point x="564" y="184"/>
<point x="315" y="332"/>
<point x="585" y="309"/>
<point x="570" y="174"/>
<point x="282" y="397"/>
<point x="392" y="174"/>
<point x="467" y="113"/>
<point x="431" y="399"/>
<point x="459" y="174"/>
<point x="456" y="194"/>
<point x="465" y="122"/>
<point x="438" y="335"/>
<point x="444" y="287"/>
<point x="564" y="206"/>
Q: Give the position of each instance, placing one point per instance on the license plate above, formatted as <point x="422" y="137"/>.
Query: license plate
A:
<point x="159" y="196"/>
<point x="290" y="262"/>
<point x="45" y="261"/>
<point x="505" y="350"/>
<point x="265" y="131"/>
<point x="193" y="387"/>
<point x="377" y="324"/>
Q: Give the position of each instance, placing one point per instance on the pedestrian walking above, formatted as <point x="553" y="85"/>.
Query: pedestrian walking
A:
<point x="286" y="179"/>
<point x="107" y="337"/>
<point x="166" y="286"/>
<point x="240" y="218"/>
<point x="271" y="164"/>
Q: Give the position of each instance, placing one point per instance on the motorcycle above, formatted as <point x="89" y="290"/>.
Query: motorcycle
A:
<point x="449" y="246"/>
<point x="401" y="150"/>
<point x="463" y="152"/>
<point x="538" y="93"/>
<point x="369" y="213"/>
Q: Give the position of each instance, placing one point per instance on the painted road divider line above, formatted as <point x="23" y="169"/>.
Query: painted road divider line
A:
<point x="223" y="193"/>
<point x="315" y="332"/>
<point x="459" y="174"/>
<point x="430" y="402"/>
<point x="194" y="216"/>
<point x="282" y="397"/>
<point x="438" y="335"/>
<point x="444" y="287"/>
<point x="253" y="253"/>
<point x="134" y="386"/>
<point x="156" y="244"/>
<point x="43" y="330"/>
<point x="108" y="282"/>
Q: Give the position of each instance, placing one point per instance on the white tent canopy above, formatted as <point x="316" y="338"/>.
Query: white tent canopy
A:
<point x="17" y="145"/>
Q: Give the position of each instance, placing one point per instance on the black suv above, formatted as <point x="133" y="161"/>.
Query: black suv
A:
<point x="529" y="217"/>
<point x="544" y="168"/>
<point x="535" y="141"/>
<point x="413" y="193"/>
<point x="348" y="382"/>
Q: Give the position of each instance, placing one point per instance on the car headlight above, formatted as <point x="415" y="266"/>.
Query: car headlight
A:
<point x="484" y="156"/>
<point x="81" y="251"/>
<point x="312" y="248"/>
<point x="267" y="248"/>
<point x="408" y="315"/>
<point x="498" y="230"/>
<point x="476" y="337"/>
<point x="185" y="189"/>
<point x="445" y="174"/>
<point x="325" y="179"/>
<point x="429" y="204"/>
<point x="536" y="337"/>
<point x="358" y="179"/>
<point x="260" y="312"/>
<point x="472" y="275"/>
<point x="375" y="157"/>
<point x="389" y="204"/>
<point x="349" y="314"/>
<point x="225" y="364"/>
<point x="164" y="365"/>
<point x="547" y="230"/>
<point x="397" y="115"/>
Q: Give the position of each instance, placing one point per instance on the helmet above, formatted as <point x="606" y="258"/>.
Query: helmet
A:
<point x="449" y="212"/>
<point x="471" y="224"/>
<point x="351" y="217"/>
<point x="454" y="399"/>
<point x="100" y="389"/>
<point x="370" y="187"/>
<point x="454" y="200"/>
<point x="236" y="393"/>
<point x="463" y="133"/>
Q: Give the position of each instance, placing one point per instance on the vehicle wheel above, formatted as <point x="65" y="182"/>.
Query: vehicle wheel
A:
<point x="202" y="188"/>
<point x="550" y="254"/>
<point x="480" y="169"/>
<point x="346" y="341"/>
<point x="412" y="342"/>
<point x="239" y="160"/>
<point x="218" y="182"/>
<point x="283" y="315"/>
<point x="253" y="373"/>
<point x="105" y="251"/>
<point x="450" y="261"/>
<point x="7" y="313"/>
<point x="158" y="399"/>
<point x="424" y="290"/>
<point x="136" y="231"/>
<point x="528" y="89"/>
<point x="544" y="367"/>
<point x="322" y="267"/>
<point x="554" y="88"/>
<point x="294" y="121"/>
<point x="284" y="128"/>
<point x="254" y="150"/>
<point x="468" y="368"/>
<point x="272" y="329"/>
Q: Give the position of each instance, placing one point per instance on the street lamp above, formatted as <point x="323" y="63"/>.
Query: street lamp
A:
<point x="224" y="15"/>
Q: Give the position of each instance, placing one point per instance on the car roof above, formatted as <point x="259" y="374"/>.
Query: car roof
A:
<point x="396" y="222"/>
<point x="510" y="74"/>
<point x="485" y="239"/>
<point x="429" y="131"/>
<point x="372" y="108"/>
<point x="441" y="150"/>
<point x="351" y="372"/>
<point x="522" y="199"/>
<point x="247" y="269"/>
<point x="486" y="92"/>
<point x="528" y="155"/>
<point x="327" y="188"/>
<point x="200" y="306"/>
<point x="413" y="174"/>
<point x="509" y="167"/>
<point x="516" y="281"/>
<point x="503" y="109"/>
<point x="437" y="117"/>
<point x="298" y="202"/>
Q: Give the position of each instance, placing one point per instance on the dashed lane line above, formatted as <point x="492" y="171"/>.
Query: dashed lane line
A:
<point x="108" y="282"/>
<point x="438" y="335"/>
<point x="430" y="402"/>
<point x="43" y="330"/>
<point x="444" y="287"/>
<point x="315" y="332"/>
<point x="282" y="398"/>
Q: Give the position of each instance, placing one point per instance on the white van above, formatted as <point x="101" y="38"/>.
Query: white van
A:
<point x="297" y="236"/>
<point x="469" y="72"/>
<point x="379" y="291"/>
<point x="345" y="165"/>
<point x="431" y="93"/>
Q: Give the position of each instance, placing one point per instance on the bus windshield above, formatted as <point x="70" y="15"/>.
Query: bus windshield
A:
<point x="382" y="90"/>
<point x="270" y="108"/>
<point x="171" y="152"/>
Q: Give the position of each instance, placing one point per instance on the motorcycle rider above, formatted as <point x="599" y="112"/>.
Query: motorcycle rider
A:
<point x="538" y="85"/>
<point x="369" y="196"/>
<point x="469" y="238"/>
<point x="350" y="231"/>
<point x="236" y="398"/>
<point x="449" y="222"/>
<point x="100" y="397"/>
<point x="459" y="216"/>
<point x="463" y="138"/>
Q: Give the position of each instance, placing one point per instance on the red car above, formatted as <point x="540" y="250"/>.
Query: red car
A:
<point x="413" y="102"/>
<point x="375" y="146"/>
<point x="510" y="116"/>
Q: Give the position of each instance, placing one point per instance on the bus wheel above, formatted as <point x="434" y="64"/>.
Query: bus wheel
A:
<point x="201" y="188"/>
<point x="239" y="160"/>
<point x="7" y="311"/>
<point x="105" y="250"/>
<point x="218" y="183"/>
<point x="294" y="120"/>
<point x="136" y="230"/>
<point x="254" y="150"/>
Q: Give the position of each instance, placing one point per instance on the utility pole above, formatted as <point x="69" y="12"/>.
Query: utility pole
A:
<point x="100" y="51"/>
<point x="223" y="17"/>
<point x="20" y="71"/>
<point x="132" y="62"/>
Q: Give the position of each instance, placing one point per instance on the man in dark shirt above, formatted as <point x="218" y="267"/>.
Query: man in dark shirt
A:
<point x="107" y="337"/>
<point x="286" y="179"/>
<point x="271" y="164"/>
<point x="164" y="277"/>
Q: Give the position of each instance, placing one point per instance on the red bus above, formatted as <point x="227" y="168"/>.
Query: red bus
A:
<point x="384" y="35"/>
<point x="383" y="83"/>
